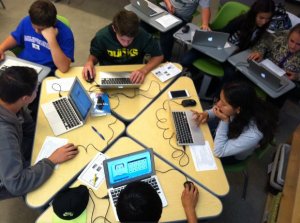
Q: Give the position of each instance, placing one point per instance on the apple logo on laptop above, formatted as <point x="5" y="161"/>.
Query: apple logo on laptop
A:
<point x="263" y="75"/>
<point x="210" y="39"/>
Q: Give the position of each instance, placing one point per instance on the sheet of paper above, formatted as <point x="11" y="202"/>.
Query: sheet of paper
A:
<point x="268" y="64"/>
<point x="62" y="84"/>
<point x="93" y="175"/>
<point x="166" y="71"/>
<point x="167" y="20"/>
<point x="203" y="157"/>
<point x="49" y="146"/>
<point x="9" y="62"/>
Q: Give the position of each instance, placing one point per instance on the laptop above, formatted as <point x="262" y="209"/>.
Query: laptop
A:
<point x="186" y="129"/>
<point x="122" y="170"/>
<point x="146" y="7"/>
<point x="116" y="80"/>
<point x="70" y="112"/>
<point x="269" y="78"/>
<point x="210" y="38"/>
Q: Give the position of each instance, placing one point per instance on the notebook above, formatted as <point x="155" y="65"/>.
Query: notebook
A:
<point x="70" y="112"/>
<point x="210" y="38"/>
<point x="116" y="80"/>
<point x="146" y="7"/>
<point x="186" y="129"/>
<point x="271" y="79"/>
<point x="121" y="170"/>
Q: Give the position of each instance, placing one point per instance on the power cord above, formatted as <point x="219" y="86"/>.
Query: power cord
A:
<point x="94" y="205"/>
<point x="59" y="88"/>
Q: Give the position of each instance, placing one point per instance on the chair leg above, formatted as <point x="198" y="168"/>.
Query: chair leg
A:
<point x="204" y="87"/>
<point x="2" y="4"/>
<point x="245" y="172"/>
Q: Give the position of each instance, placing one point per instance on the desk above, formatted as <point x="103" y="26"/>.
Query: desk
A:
<point x="152" y="20"/>
<point x="219" y="54"/>
<point x="123" y="107"/>
<point x="84" y="135"/>
<point x="239" y="60"/>
<point x="144" y="129"/>
<point x="171" y="182"/>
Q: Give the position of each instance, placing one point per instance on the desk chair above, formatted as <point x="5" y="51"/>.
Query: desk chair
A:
<point x="17" y="50"/>
<point x="2" y="4"/>
<point x="210" y="67"/>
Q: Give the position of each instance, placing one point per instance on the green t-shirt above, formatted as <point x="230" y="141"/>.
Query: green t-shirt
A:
<point x="107" y="49"/>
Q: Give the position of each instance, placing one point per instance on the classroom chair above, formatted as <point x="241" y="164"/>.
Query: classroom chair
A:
<point x="210" y="67"/>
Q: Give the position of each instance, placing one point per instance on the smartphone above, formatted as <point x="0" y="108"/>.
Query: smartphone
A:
<point x="179" y="94"/>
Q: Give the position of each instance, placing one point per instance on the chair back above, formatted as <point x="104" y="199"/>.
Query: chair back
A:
<point x="228" y="11"/>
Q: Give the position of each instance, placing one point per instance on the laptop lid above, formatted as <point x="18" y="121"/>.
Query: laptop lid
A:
<point x="81" y="101"/>
<point x="128" y="168"/>
<point x="210" y="38"/>
<point x="144" y="7"/>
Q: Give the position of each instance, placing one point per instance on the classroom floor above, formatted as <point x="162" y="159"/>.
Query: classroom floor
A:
<point x="86" y="18"/>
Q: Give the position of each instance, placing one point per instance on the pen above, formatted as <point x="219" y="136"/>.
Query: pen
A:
<point x="98" y="133"/>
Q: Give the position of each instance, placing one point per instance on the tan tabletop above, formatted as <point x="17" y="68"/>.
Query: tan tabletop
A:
<point x="126" y="108"/>
<point x="171" y="182"/>
<point x="111" y="128"/>
<point x="145" y="130"/>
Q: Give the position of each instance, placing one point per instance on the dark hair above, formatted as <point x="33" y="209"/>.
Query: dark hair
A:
<point x="295" y="29"/>
<point x="16" y="82"/>
<point x="252" y="108"/>
<point x="43" y="13"/>
<point x="249" y="22"/>
<point x="139" y="202"/>
<point x="126" y="23"/>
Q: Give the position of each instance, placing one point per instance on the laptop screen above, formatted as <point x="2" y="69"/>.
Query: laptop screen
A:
<point x="128" y="168"/>
<point x="80" y="99"/>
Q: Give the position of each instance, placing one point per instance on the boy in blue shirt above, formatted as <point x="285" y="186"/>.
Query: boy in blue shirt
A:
<point x="44" y="39"/>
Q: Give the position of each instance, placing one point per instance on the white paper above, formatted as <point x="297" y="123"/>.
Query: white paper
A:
<point x="268" y="64"/>
<point x="59" y="84"/>
<point x="10" y="62"/>
<point x="93" y="175"/>
<point x="167" y="20"/>
<point x="49" y="146"/>
<point x="203" y="157"/>
<point x="166" y="71"/>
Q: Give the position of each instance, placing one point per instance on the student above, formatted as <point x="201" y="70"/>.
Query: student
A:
<point x="245" y="122"/>
<point x="44" y="39"/>
<point x="184" y="10"/>
<point x="18" y="86"/>
<point x="139" y="202"/>
<point x="284" y="51"/>
<point x="123" y="42"/>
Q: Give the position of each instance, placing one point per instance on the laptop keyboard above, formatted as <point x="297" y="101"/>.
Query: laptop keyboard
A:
<point x="183" y="132"/>
<point x="116" y="192"/>
<point x="116" y="81"/>
<point x="66" y="113"/>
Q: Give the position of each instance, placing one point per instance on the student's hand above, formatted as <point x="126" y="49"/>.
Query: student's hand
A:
<point x="50" y="33"/>
<point x="220" y="115"/>
<point x="170" y="7"/>
<point x="64" y="153"/>
<point x="88" y="68"/>
<point x="200" y="117"/>
<point x="137" y="76"/>
<point x="2" y="55"/>
<point x="205" y="27"/>
<point x="292" y="75"/>
<point x="255" y="56"/>
<point x="189" y="200"/>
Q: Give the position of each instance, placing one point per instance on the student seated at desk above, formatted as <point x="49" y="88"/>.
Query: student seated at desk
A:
<point x="245" y="122"/>
<point x="43" y="39"/>
<point x="139" y="202"/>
<point x="283" y="50"/>
<point x="123" y="42"/>
<point x="18" y="86"/>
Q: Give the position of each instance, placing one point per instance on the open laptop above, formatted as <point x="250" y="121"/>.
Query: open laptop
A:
<point x="146" y="7"/>
<point x="210" y="38"/>
<point x="70" y="112"/>
<point x="271" y="79"/>
<point x="122" y="170"/>
<point x="186" y="129"/>
<point x="116" y="80"/>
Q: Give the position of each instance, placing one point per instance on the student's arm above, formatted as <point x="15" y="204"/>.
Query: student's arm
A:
<point x="7" y="44"/>
<point x="170" y="7"/>
<point x="189" y="199"/>
<point x="61" y="61"/>
<point x="205" y="17"/>
<point x="89" y="67"/>
<point x="138" y="76"/>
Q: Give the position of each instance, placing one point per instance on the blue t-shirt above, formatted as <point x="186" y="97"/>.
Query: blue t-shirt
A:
<point x="36" y="48"/>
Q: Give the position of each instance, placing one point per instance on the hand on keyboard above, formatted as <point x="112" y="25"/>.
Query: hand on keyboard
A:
<point x="200" y="117"/>
<point x="137" y="76"/>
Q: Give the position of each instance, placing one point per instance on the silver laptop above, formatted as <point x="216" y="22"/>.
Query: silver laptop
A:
<point x="122" y="170"/>
<point x="146" y="7"/>
<point x="68" y="113"/>
<point x="210" y="38"/>
<point x="268" y="77"/>
<point x="116" y="80"/>
<point x="186" y="129"/>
